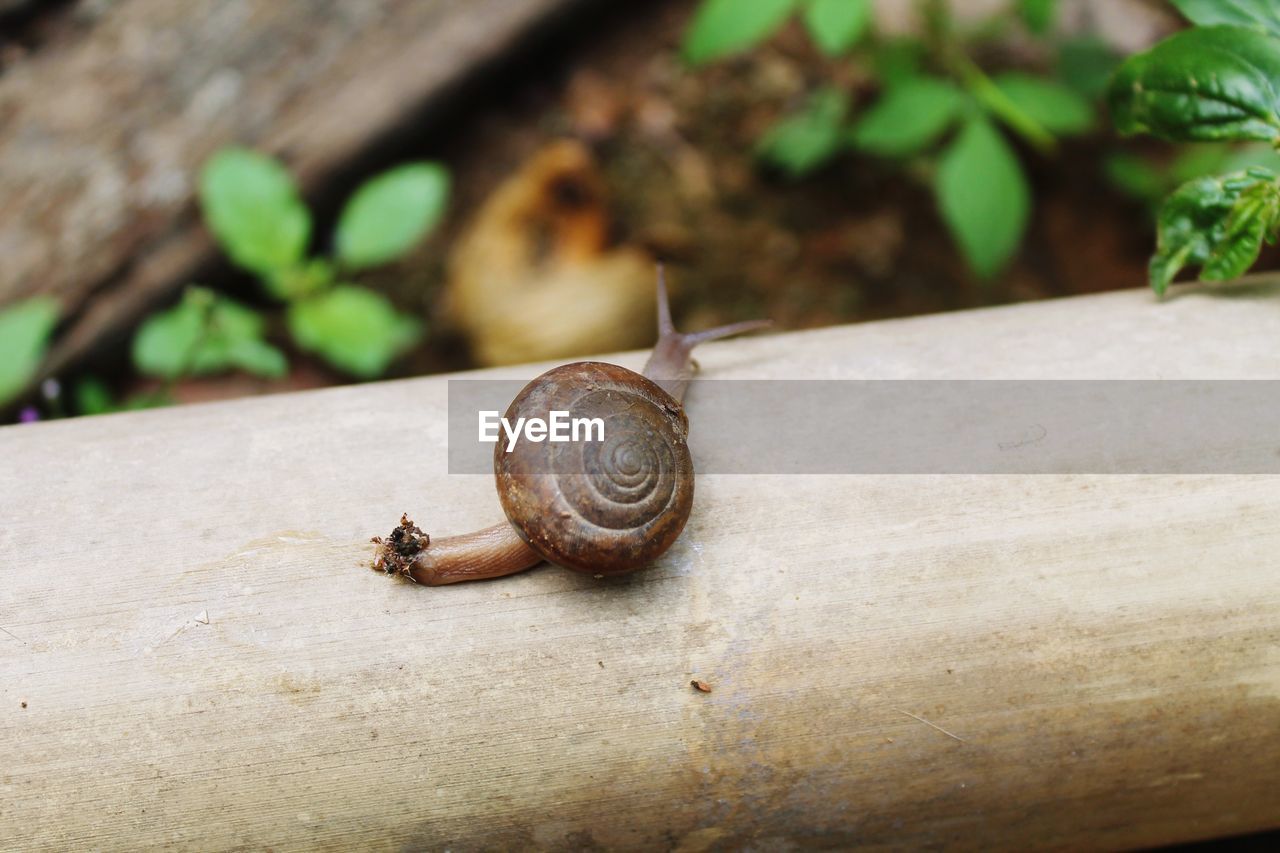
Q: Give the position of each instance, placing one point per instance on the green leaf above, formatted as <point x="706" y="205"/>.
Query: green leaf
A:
<point x="724" y="27"/>
<point x="836" y="25"/>
<point x="390" y="213"/>
<point x="252" y="206"/>
<point x="1134" y="176"/>
<point x="256" y="356"/>
<point x="354" y="329"/>
<point x="983" y="196"/>
<point x="1251" y="221"/>
<point x="166" y="343"/>
<point x="1053" y="106"/>
<point x="147" y="401"/>
<point x="1261" y="15"/>
<point x="897" y="60"/>
<point x="24" y="336"/>
<point x="803" y="142"/>
<point x="999" y="105"/>
<point x="1217" y="223"/>
<point x="309" y="277"/>
<point x="1242" y="157"/>
<point x="1201" y="85"/>
<point x="92" y="397"/>
<point x="1085" y="64"/>
<point x="1196" y="161"/>
<point x="1039" y="15"/>
<point x="205" y="333"/>
<point x="909" y="117"/>
<point x="1148" y="182"/>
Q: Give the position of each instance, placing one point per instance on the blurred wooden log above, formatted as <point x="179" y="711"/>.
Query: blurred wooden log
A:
<point x="102" y="135"/>
<point x="192" y="652"/>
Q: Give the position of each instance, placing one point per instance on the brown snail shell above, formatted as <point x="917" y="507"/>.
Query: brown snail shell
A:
<point x="601" y="507"/>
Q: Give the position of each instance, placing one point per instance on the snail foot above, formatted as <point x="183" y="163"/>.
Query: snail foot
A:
<point x="395" y="553"/>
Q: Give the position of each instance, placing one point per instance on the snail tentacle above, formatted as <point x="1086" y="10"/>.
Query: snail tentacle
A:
<point x="670" y="364"/>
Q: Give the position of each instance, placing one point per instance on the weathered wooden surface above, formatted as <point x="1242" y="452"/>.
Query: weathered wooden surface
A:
<point x="102" y="136"/>
<point x="1104" y="651"/>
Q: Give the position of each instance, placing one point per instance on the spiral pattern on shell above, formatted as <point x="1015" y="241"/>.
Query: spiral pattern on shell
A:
<point x="602" y="507"/>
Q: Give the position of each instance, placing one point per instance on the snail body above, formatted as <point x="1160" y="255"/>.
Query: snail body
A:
<point x="604" y="507"/>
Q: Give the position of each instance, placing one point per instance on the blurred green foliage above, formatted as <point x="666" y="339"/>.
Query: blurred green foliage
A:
<point x="837" y="25"/>
<point x="721" y="28"/>
<point x="935" y="104"/>
<point x="983" y="195"/>
<point x="206" y="333"/>
<point x="806" y="140"/>
<point x="24" y="336"/>
<point x="1038" y="14"/>
<point x="1085" y="65"/>
<point x="255" y="212"/>
<point x="1149" y="180"/>
<point x="1053" y="106"/>
<point x="390" y="213"/>
<point x="1260" y="15"/>
<point x="355" y="329"/>
<point x="909" y="117"/>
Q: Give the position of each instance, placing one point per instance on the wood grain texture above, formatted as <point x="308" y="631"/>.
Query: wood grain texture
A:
<point x="977" y="662"/>
<point x="102" y="135"/>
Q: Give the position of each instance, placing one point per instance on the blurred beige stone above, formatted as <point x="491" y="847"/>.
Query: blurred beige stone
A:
<point x="534" y="276"/>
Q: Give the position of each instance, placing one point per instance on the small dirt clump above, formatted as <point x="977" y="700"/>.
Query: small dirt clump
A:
<point x="396" y="552"/>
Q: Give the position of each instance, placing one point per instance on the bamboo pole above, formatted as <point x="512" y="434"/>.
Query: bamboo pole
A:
<point x="193" y="653"/>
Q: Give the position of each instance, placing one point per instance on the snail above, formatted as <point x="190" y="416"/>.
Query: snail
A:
<point x="603" y="507"/>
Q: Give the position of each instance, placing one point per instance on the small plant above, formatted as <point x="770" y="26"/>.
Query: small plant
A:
<point x="206" y="333"/>
<point x="1216" y="82"/>
<point x="256" y="214"/>
<point x="254" y="210"/>
<point x="949" y="113"/>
